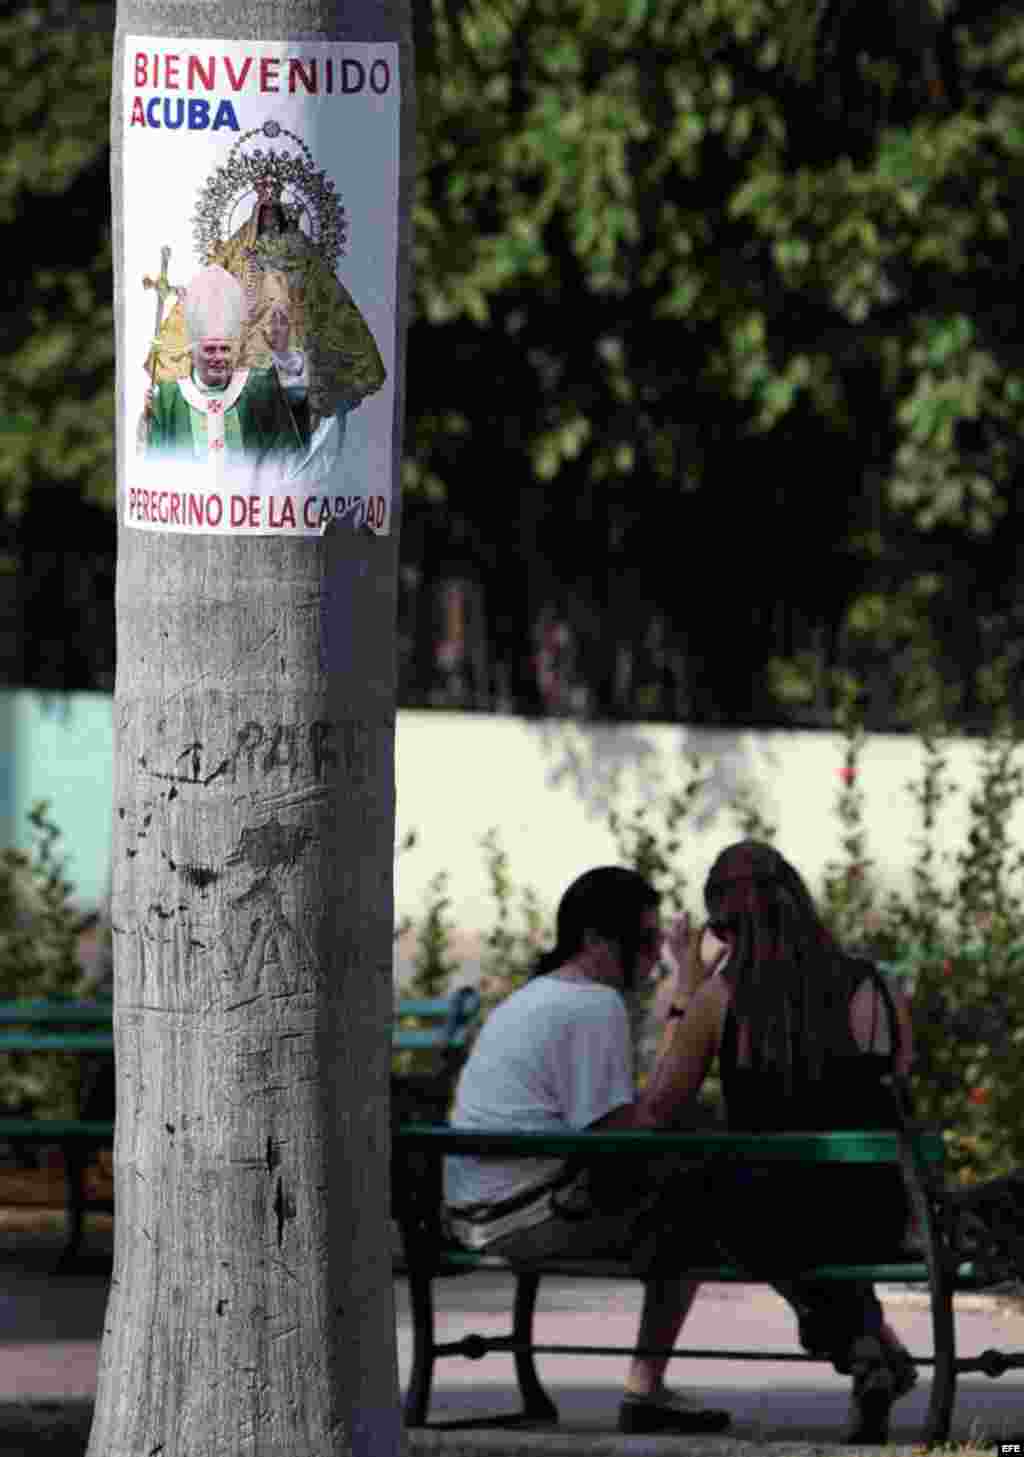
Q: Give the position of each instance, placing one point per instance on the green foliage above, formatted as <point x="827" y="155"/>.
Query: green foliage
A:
<point x="38" y="925"/>
<point x="655" y="255"/>
<point x="649" y="840"/>
<point x="750" y="818"/>
<point x="57" y="375"/>
<point x="520" y="930"/>
<point x="849" y="895"/>
<point x="960" y="950"/>
<point x="918" y="921"/>
<point x="38" y="959"/>
<point x="513" y="944"/>
<point x="433" y="958"/>
<point x="606" y="120"/>
<point x="746" y="282"/>
<point x="433" y="961"/>
<point x="968" y="987"/>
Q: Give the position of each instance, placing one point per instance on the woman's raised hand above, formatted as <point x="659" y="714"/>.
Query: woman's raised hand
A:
<point x="685" y="943"/>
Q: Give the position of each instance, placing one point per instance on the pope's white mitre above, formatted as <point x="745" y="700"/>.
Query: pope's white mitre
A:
<point x="215" y="305"/>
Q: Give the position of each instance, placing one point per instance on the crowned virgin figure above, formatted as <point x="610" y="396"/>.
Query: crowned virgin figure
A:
<point x="301" y="321"/>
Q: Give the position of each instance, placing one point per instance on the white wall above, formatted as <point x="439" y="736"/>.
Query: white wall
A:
<point x="59" y="747"/>
<point x="545" y="786"/>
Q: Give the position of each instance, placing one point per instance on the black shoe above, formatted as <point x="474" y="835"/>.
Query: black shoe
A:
<point x="874" y="1391"/>
<point x="903" y="1370"/>
<point x="668" y="1412"/>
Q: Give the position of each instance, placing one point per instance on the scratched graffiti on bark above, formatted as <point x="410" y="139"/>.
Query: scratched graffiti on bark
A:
<point x="245" y="927"/>
<point x="271" y="938"/>
<point x="226" y="902"/>
<point x="260" y="750"/>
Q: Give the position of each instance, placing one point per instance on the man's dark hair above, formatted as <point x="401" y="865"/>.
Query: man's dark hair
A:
<point x="610" y="901"/>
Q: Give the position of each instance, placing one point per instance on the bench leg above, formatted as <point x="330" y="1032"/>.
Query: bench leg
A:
<point x="537" y="1405"/>
<point x="417" y="1398"/>
<point x="940" y="1257"/>
<point x="943" y="1392"/>
<point x="75" y="1161"/>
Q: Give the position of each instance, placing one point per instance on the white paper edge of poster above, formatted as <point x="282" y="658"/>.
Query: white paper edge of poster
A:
<point x="350" y="126"/>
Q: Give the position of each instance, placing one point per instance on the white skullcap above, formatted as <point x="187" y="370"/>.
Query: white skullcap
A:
<point x="214" y="306"/>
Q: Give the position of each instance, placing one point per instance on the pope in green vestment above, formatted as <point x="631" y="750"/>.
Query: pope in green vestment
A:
<point x="219" y="415"/>
<point x="258" y="419"/>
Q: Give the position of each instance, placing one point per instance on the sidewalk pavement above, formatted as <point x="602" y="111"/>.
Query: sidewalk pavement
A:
<point x="50" y="1327"/>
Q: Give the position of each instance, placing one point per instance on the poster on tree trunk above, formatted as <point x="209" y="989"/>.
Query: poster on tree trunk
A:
<point x="260" y="237"/>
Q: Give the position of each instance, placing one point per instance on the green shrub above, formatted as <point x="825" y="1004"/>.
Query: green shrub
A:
<point x="39" y="932"/>
<point x="967" y="948"/>
<point x="433" y="962"/>
<point x="514" y="942"/>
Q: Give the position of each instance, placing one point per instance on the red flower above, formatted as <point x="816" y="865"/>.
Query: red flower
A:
<point x="978" y="1096"/>
<point x="947" y="968"/>
<point x="847" y="774"/>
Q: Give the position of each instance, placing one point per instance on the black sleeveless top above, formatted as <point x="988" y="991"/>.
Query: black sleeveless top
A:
<point x="801" y="1214"/>
<point x="850" y="1093"/>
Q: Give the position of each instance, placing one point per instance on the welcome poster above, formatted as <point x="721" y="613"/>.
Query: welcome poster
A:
<point x="261" y="217"/>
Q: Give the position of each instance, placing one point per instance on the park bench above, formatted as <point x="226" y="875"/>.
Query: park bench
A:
<point x="940" y="1264"/>
<point x="450" y="1024"/>
<point x="442" y="1026"/>
<point x="85" y="1030"/>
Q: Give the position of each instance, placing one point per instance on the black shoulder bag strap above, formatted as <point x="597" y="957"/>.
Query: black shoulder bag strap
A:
<point x="899" y="1084"/>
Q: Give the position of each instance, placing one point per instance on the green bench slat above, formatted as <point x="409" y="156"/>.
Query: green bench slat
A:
<point x="54" y="1130"/>
<point x="408" y="1038"/>
<point x="458" y="1013"/>
<point x="424" y="1007"/>
<point x="57" y="1042"/>
<point x="458" y="1261"/>
<point x="56" y="1014"/>
<point x="404" y="1039"/>
<point x="36" y="1017"/>
<point x="864" y="1147"/>
<point x="908" y="1272"/>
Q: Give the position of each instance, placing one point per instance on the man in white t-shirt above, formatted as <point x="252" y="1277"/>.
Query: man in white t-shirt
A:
<point x="557" y="1054"/>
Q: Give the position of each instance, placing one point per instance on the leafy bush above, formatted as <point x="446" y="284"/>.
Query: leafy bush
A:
<point x="511" y="947"/>
<point x="39" y="931"/>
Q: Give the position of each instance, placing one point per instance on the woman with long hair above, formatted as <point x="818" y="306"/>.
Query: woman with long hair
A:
<point x="807" y="1038"/>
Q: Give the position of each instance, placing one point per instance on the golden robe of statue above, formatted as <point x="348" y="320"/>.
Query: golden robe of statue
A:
<point x="290" y="291"/>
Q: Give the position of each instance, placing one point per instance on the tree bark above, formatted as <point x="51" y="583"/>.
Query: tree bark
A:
<point x="251" y="1307"/>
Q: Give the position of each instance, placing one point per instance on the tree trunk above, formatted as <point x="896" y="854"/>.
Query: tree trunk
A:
<point x="251" y="1307"/>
